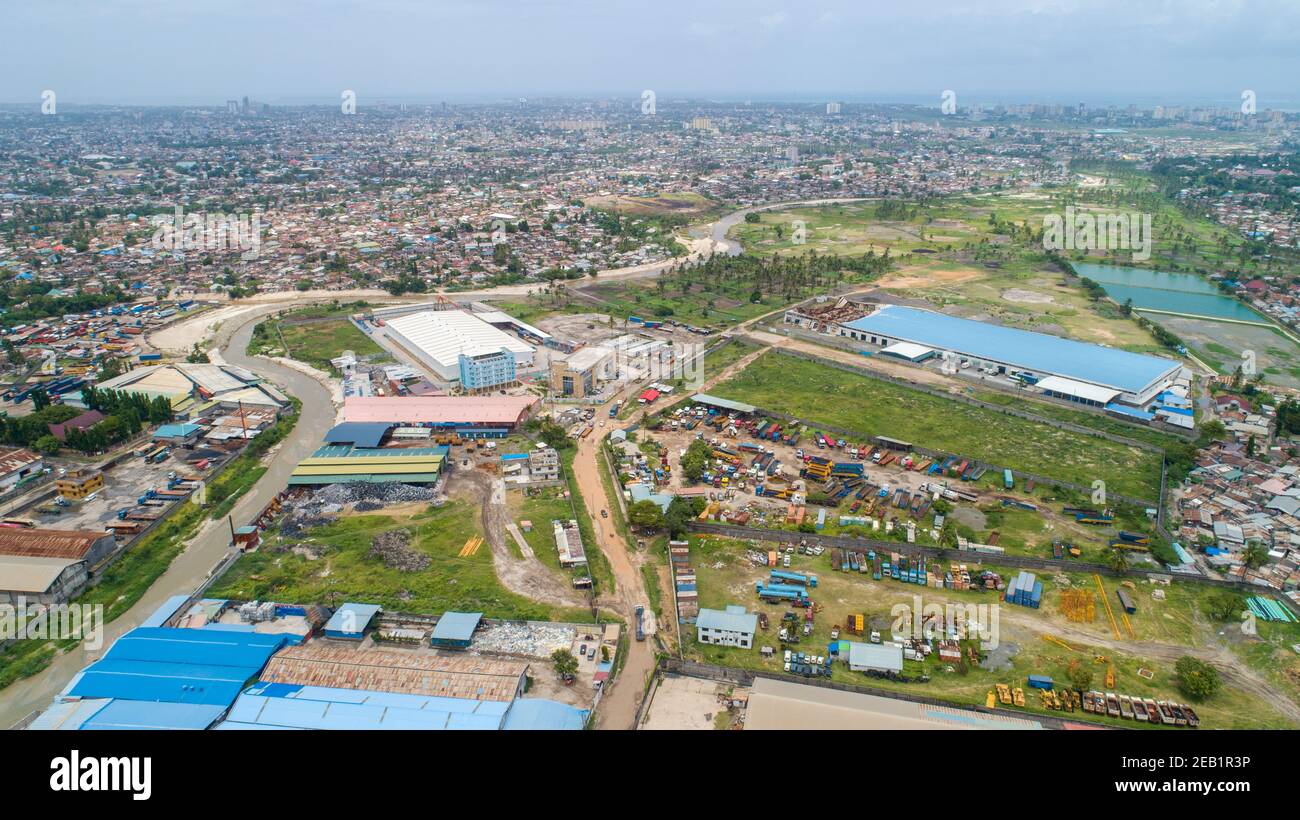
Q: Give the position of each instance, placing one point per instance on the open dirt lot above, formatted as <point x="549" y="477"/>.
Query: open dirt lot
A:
<point x="920" y="277"/>
<point x="182" y="336"/>
<point x="687" y="703"/>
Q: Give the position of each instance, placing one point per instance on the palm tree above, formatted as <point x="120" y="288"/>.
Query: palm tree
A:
<point x="1116" y="559"/>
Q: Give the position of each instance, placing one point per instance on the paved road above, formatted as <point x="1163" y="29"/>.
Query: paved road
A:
<point x="191" y="567"/>
<point x="204" y="551"/>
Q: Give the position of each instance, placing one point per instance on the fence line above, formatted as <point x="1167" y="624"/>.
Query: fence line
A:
<point x="862" y="545"/>
<point x="745" y="677"/>
<point x="997" y="408"/>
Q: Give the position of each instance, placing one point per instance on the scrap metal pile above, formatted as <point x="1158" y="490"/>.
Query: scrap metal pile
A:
<point x="361" y="491"/>
<point x="532" y="640"/>
<point x="394" y="547"/>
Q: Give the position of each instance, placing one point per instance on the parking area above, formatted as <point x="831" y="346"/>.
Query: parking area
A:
<point x="124" y="484"/>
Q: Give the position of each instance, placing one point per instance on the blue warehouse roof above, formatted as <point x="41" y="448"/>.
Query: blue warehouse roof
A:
<point x="546" y="715"/>
<point x="456" y="626"/>
<point x="1130" y="372"/>
<point x="289" y="706"/>
<point x="192" y="666"/>
<point x="358" y="433"/>
<point x="177" y="430"/>
<point x="352" y="619"/>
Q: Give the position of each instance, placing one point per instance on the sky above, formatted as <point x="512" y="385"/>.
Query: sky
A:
<point x="163" y="52"/>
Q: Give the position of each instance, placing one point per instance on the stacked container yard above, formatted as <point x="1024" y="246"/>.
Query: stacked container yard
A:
<point x="684" y="585"/>
<point x="1025" y="590"/>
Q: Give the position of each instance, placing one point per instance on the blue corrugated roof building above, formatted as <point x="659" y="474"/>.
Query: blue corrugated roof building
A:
<point x="545" y="715"/>
<point x="350" y="620"/>
<point x="1038" y="352"/>
<point x="182" y="666"/>
<point x="358" y="433"/>
<point x="289" y="706"/>
<point x="456" y="629"/>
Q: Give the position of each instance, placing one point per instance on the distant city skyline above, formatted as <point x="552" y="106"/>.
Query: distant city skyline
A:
<point x="148" y="52"/>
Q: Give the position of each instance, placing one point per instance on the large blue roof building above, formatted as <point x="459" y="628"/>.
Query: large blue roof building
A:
<point x="1080" y="371"/>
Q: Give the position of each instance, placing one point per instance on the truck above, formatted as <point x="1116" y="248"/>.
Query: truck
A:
<point x="781" y="592"/>
<point x="613" y="410"/>
<point x="640" y="623"/>
<point x="780" y="577"/>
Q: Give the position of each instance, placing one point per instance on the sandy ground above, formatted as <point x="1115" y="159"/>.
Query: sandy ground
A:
<point x="686" y="703"/>
<point x="1030" y="297"/>
<point x="182" y="336"/>
<point x="916" y="277"/>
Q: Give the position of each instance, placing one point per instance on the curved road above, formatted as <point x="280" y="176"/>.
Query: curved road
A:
<point x="191" y="567"/>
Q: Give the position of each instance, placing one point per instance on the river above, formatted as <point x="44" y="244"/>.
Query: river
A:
<point x="191" y="567"/>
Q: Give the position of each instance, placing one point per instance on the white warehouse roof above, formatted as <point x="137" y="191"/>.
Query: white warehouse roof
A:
<point x="1081" y="390"/>
<point x="443" y="335"/>
<point x="908" y="350"/>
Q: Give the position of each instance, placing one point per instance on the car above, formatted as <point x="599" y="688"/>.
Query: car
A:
<point x="582" y="650"/>
<point x="604" y="513"/>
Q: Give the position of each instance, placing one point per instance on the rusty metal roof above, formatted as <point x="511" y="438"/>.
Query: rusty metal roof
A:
<point x="41" y="543"/>
<point x="13" y="459"/>
<point x="318" y="663"/>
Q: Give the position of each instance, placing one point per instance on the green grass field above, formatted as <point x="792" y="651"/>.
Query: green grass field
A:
<point x="332" y="567"/>
<point x="314" y="335"/>
<point x="816" y="393"/>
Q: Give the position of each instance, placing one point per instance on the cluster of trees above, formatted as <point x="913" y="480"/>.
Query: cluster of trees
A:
<point x="550" y="432"/>
<point x="1288" y="417"/>
<point x="1196" y="678"/>
<point x="696" y="459"/>
<point x="37" y="305"/>
<point x="29" y="430"/>
<point x="789" y="277"/>
<point x="125" y="415"/>
<point x="157" y="410"/>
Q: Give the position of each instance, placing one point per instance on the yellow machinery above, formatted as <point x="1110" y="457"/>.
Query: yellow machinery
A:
<point x="1114" y="625"/>
<point x="1060" y="643"/>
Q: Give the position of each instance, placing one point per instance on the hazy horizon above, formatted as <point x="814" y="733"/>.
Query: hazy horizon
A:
<point x="148" y="52"/>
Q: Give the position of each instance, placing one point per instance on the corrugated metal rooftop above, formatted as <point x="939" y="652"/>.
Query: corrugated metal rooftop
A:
<point x="1130" y="372"/>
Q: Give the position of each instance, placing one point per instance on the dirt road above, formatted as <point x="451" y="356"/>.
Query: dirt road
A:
<point x="523" y="576"/>
<point x="619" y="706"/>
